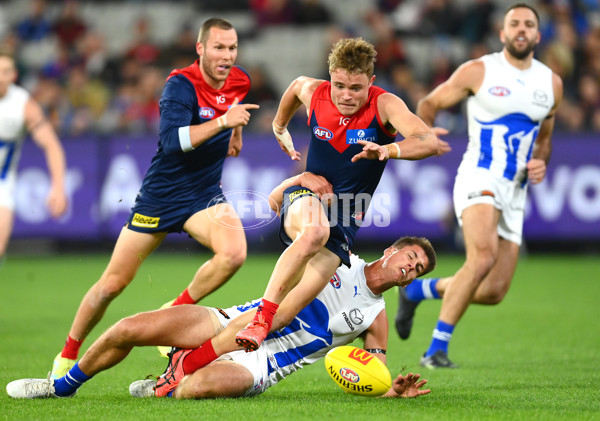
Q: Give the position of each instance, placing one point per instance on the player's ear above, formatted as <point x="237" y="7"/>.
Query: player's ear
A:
<point x="199" y="48"/>
<point x="389" y="251"/>
<point x="372" y="80"/>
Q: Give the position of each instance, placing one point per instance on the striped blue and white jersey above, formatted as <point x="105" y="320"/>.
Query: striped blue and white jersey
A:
<point x="505" y="116"/>
<point x="12" y="130"/>
<point x="341" y="312"/>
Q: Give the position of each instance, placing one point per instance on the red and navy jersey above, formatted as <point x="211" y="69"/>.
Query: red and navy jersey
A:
<point x="333" y="143"/>
<point x="187" y="100"/>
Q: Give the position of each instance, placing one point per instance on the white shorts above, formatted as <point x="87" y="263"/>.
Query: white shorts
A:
<point x="479" y="186"/>
<point x="7" y="193"/>
<point x="257" y="362"/>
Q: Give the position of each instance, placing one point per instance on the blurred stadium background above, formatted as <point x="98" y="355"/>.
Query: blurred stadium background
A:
<point x="98" y="69"/>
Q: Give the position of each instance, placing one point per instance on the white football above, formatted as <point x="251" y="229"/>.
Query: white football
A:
<point x="357" y="371"/>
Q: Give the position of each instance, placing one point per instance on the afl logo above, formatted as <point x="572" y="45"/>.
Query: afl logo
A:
<point x="335" y="281"/>
<point x="349" y="375"/>
<point x="207" y="112"/>
<point x="322" y="133"/>
<point x="499" y="91"/>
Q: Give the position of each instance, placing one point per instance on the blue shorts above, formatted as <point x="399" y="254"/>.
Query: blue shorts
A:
<point x="149" y="216"/>
<point x="338" y="242"/>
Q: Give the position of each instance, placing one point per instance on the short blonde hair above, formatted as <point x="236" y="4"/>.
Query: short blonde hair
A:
<point x="354" y="55"/>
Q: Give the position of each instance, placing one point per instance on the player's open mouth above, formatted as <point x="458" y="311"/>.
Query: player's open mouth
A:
<point x="403" y="272"/>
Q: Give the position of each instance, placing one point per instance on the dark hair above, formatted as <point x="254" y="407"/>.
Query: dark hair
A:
<point x="210" y="23"/>
<point x="526" y="6"/>
<point x="425" y="244"/>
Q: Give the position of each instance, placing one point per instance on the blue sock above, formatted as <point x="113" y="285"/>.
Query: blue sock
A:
<point x="441" y="338"/>
<point x="422" y="289"/>
<point x="67" y="385"/>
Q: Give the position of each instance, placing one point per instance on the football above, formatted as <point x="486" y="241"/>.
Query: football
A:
<point x="357" y="371"/>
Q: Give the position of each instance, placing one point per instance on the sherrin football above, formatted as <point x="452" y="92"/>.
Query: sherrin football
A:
<point x="357" y="371"/>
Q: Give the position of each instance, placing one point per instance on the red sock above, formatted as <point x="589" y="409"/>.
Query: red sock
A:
<point x="268" y="310"/>
<point x="71" y="349"/>
<point x="184" y="298"/>
<point x="199" y="357"/>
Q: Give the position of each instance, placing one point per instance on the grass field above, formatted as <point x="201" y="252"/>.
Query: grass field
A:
<point x="535" y="356"/>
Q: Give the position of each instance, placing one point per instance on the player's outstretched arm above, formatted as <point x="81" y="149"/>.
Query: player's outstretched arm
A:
<point x="465" y="81"/>
<point x="46" y="138"/>
<point x="298" y="93"/>
<point x="408" y="386"/>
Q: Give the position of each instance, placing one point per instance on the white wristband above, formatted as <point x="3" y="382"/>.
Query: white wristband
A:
<point x="398" y="152"/>
<point x="222" y="121"/>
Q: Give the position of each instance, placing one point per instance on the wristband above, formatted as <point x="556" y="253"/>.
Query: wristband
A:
<point x="278" y="128"/>
<point x="375" y="350"/>
<point x="222" y="123"/>
<point x="398" y="152"/>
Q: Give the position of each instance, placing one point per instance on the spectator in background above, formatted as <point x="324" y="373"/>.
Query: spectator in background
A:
<point x="475" y="21"/>
<point x="141" y="114"/>
<point x="180" y="51"/>
<point x="312" y="12"/>
<point x="389" y="47"/>
<point x="273" y="12"/>
<point x="88" y="99"/>
<point x="69" y="27"/>
<point x="143" y="49"/>
<point x="35" y="27"/>
<point x="589" y="101"/>
<point x="92" y="50"/>
<point x="439" y="18"/>
<point x="262" y="93"/>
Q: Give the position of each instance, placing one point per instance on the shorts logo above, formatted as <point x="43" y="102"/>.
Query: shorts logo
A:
<point x="322" y="133"/>
<point x="481" y="193"/>
<point x="499" y="91"/>
<point x="349" y="375"/>
<point x="295" y="194"/>
<point x="143" y="221"/>
<point x="335" y="281"/>
<point x="207" y="112"/>
<point x="367" y="135"/>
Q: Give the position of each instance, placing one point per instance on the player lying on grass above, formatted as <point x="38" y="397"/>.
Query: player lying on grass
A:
<point x="350" y="306"/>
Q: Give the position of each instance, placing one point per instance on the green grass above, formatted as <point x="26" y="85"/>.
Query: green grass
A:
<point x="535" y="356"/>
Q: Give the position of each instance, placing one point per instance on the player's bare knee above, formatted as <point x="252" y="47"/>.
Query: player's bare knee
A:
<point x="232" y="259"/>
<point x="109" y="292"/>
<point x="196" y="386"/>
<point x="124" y="331"/>
<point x="495" y="296"/>
<point x="313" y="238"/>
<point x="481" y="263"/>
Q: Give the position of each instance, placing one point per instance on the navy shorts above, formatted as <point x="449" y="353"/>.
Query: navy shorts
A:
<point x="338" y="242"/>
<point x="149" y="216"/>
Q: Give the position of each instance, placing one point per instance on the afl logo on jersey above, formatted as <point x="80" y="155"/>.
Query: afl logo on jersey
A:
<point x="499" y="91"/>
<point x="322" y="133"/>
<point x="207" y="112"/>
<point x="335" y="281"/>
